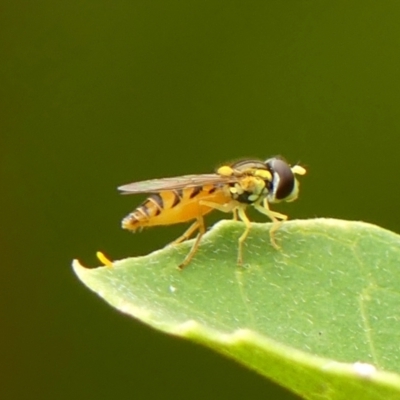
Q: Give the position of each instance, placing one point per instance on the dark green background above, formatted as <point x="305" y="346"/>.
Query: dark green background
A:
<point x="95" y="94"/>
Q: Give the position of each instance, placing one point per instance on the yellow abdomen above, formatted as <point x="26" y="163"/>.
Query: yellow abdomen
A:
<point x="175" y="206"/>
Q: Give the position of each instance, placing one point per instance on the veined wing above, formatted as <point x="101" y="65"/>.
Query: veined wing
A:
<point x="175" y="183"/>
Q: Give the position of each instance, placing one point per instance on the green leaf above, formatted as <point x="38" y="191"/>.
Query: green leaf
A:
<point x="321" y="316"/>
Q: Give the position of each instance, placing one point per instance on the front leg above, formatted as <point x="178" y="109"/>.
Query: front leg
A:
<point x="276" y="218"/>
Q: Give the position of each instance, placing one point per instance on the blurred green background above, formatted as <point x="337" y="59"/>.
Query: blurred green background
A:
<point x="95" y="94"/>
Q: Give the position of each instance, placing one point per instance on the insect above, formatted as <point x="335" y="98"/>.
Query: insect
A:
<point x="230" y="189"/>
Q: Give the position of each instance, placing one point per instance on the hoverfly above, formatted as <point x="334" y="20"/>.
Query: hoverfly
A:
<point x="230" y="189"/>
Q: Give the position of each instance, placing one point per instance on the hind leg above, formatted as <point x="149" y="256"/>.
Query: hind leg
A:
<point x="199" y="224"/>
<point x="186" y="235"/>
<point x="226" y="208"/>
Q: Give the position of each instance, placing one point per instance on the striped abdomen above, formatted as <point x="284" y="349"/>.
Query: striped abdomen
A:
<point x="174" y="206"/>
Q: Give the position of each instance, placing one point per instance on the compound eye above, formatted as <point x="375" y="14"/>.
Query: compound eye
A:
<point x="283" y="178"/>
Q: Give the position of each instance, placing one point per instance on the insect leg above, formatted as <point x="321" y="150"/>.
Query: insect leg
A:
<point x="276" y="218"/>
<point x="228" y="207"/>
<point x="202" y="229"/>
<point x="189" y="232"/>
<point x="238" y="211"/>
<point x="235" y="214"/>
<point x="242" y="238"/>
<point x="275" y="214"/>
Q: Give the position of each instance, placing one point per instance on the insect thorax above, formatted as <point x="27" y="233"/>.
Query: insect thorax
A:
<point x="249" y="189"/>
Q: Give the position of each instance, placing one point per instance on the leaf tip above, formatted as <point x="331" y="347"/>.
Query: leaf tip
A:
<point x="78" y="268"/>
<point x="76" y="265"/>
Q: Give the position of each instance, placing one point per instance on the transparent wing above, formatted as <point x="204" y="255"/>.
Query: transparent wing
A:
<point x="179" y="182"/>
